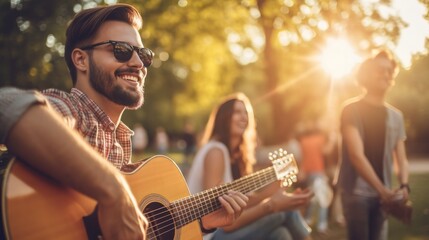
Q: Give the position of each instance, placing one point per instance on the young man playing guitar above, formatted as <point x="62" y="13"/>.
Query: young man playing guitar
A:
<point x="40" y="138"/>
<point x="108" y="65"/>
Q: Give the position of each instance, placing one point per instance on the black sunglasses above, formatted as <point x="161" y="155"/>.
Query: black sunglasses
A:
<point x="124" y="51"/>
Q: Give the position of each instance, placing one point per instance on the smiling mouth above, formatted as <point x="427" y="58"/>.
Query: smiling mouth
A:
<point x="130" y="78"/>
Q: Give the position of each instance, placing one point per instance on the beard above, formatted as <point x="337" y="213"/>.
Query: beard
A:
<point x="107" y="85"/>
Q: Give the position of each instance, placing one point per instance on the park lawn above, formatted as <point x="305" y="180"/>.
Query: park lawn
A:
<point x="419" y="228"/>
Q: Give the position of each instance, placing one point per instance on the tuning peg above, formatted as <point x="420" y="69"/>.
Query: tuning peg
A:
<point x="277" y="154"/>
<point x="272" y="155"/>
<point x="286" y="182"/>
<point x="282" y="152"/>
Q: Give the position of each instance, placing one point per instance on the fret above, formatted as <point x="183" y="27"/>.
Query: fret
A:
<point x="191" y="208"/>
<point x="195" y="206"/>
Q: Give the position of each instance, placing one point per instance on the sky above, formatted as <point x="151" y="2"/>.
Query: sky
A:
<point x="413" y="37"/>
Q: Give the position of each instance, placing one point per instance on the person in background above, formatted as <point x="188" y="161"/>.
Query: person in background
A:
<point x="373" y="137"/>
<point x="108" y="65"/>
<point x="314" y="147"/>
<point x="139" y="139"/>
<point x="190" y="140"/>
<point x="161" y="141"/>
<point x="227" y="154"/>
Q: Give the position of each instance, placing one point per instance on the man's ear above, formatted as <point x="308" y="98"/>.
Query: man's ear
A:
<point x="80" y="59"/>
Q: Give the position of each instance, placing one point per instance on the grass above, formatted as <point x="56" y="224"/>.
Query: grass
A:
<point x="418" y="230"/>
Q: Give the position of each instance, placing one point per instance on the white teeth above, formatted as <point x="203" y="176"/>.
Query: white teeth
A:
<point x="130" y="78"/>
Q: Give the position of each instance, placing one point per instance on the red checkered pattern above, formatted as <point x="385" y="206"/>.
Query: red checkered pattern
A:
<point x="96" y="127"/>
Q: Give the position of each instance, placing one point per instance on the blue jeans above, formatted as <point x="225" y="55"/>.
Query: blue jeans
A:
<point x="364" y="217"/>
<point x="277" y="226"/>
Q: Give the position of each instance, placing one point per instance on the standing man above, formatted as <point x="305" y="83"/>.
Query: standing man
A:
<point x="108" y="66"/>
<point x="373" y="136"/>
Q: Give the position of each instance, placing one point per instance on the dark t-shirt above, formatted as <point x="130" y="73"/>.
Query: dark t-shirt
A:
<point x="380" y="138"/>
<point x="373" y="120"/>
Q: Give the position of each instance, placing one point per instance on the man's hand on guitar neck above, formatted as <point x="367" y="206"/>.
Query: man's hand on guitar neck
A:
<point x="233" y="205"/>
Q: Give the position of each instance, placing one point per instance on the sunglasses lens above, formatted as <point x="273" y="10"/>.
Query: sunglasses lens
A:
<point x="122" y="52"/>
<point x="146" y="56"/>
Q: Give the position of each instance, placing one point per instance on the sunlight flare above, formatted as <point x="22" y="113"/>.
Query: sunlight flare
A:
<point x="338" y="58"/>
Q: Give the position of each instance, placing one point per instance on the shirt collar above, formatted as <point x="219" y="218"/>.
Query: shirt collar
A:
<point x="101" y="116"/>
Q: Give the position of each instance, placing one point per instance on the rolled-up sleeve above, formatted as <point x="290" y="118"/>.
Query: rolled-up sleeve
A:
<point x="13" y="104"/>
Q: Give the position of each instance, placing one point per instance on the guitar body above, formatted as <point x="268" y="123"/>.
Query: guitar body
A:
<point x="36" y="207"/>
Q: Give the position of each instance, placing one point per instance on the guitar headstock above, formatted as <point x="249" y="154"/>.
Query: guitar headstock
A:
<point x="285" y="166"/>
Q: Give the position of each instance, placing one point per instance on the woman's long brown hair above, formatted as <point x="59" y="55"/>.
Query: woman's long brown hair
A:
<point x="218" y="127"/>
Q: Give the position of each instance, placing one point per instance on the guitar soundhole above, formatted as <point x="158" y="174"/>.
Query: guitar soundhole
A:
<point x="161" y="224"/>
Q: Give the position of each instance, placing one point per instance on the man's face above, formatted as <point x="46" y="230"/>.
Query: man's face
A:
<point x="120" y="82"/>
<point x="382" y="77"/>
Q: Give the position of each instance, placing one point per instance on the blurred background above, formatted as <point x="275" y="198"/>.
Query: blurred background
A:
<point x="294" y="59"/>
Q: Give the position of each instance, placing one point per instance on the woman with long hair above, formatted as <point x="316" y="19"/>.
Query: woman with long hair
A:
<point x="227" y="153"/>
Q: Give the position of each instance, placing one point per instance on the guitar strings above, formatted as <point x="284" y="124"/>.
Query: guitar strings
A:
<point x="243" y="186"/>
<point x="167" y="228"/>
<point x="220" y="190"/>
<point x="206" y="194"/>
<point x="237" y="182"/>
<point x="170" y="227"/>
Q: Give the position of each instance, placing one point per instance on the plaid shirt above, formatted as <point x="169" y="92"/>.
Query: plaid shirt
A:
<point x="83" y="114"/>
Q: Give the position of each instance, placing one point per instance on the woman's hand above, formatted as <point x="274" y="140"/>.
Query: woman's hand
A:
<point x="282" y="200"/>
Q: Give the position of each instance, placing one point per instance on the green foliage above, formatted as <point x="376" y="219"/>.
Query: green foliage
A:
<point x="206" y="49"/>
<point x="28" y="60"/>
<point x="419" y="228"/>
<point x="295" y="87"/>
<point x="410" y="96"/>
<point x="199" y="68"/>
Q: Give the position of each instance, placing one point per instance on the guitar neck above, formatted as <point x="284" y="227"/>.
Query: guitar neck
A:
<point x="193" y="207"/>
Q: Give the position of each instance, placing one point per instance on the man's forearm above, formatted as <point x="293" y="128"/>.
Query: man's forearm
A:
<point x="365" y="170"/>
<point x="402" y="161"/>
<point x="41" y="139"/>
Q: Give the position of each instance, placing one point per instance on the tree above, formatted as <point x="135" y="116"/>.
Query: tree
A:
<point x="201" y="39"/>
<point x="33" y="48"/>
<point x="304" y="25"/>
<point x="204" y="50"/>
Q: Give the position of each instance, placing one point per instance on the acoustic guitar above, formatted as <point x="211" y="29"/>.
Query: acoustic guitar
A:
<point x="34" y="206"/>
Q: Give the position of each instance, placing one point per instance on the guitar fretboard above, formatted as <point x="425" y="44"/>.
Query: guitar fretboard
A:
<point x="189" y="209"/>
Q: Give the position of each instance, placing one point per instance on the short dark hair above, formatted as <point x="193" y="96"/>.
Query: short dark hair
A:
<point x="86" y="23"/>
<point x="368" y="65"/>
